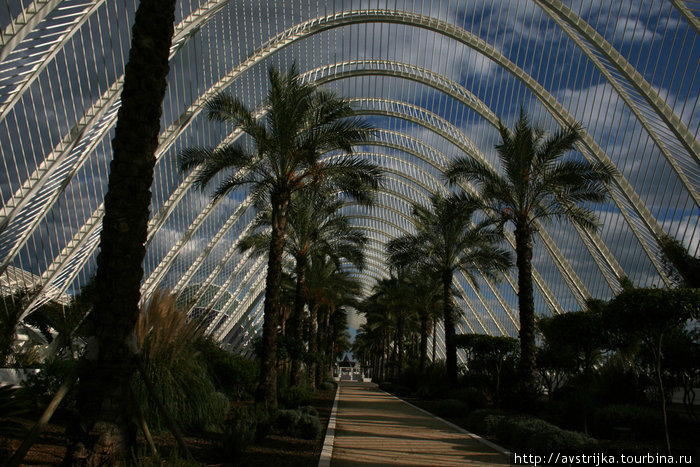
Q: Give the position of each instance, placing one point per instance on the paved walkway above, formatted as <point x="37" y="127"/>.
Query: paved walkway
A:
<point x="374" y="428"/>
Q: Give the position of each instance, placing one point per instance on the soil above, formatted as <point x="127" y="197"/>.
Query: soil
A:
<point x="272" y="451"/>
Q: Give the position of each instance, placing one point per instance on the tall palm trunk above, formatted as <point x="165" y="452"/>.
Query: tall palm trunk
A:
<point x="297" y="317"/>
<point x="400" y="347"/>
<point x="105" y="405"/>
<point x="267" y="382"/>
<point x="526" y="304"/>
<point x="434" y="338"/>
<point x="313" y="341"/>
<point x="423" y="341"/>
<point x="450" y="345"/>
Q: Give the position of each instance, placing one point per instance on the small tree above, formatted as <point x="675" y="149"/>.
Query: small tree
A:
<point x="649" y="315"/>
<point x="493" y="351"/>
<point x="579" y="337"/>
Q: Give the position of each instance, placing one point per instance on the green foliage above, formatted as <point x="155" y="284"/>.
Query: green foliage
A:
<point x="14" y="402"/>
<point x="535" y="435"/>
<point x="679" y="264"/>
<point x="234" y="375"/>
<point x="294" y="396"/>
<point x="167" y="340"/>
<point x="450" y="408"/>
<point x="644" y="421"/>
<point x="297" y="423"/>
<point x="476" y="420"/>
<point x="43" y="385"/>
<point x="244" y="425"/>
<point x="328" y="386"/>
<point x="576" y="337"/>
<point x="646" y="314"/>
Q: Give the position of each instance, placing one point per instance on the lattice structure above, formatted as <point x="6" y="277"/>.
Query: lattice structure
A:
<point x="434" y="76"/>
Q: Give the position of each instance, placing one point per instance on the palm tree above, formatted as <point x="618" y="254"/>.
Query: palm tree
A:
<point x="426" y="297"/>
<point x="446" y="241"/>
<point x="329" y="288"/>
<point x="314" y="226"/>
<point x="536" y="184"/>
<point x="302" y="123"/>
<point x="104" y="390"/>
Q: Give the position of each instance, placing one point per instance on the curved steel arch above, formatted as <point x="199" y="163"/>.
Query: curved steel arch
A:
<point x="317" y="25"/>
<point x="422" y="21"/>
<point x="560" y="12"/>
<point x="221" y="3"/>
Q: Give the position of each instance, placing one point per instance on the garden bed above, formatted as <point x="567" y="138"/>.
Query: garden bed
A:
<point x="273" y="450"/>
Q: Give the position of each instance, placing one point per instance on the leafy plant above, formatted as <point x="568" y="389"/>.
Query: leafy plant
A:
<point x="295" y="396"/>
<point x="167" y="340"/>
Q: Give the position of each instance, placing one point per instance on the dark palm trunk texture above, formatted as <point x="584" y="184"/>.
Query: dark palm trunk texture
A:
<point x="267" y="382"/>
<point x="526" y="304"/>
<point x="298" y="317"/>
<point x="450" y="346"/>
<point x="104" y="391"/>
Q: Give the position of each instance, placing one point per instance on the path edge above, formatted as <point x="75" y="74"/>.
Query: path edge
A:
<point x="329" y="440"/>
<point x="486" y="442"/>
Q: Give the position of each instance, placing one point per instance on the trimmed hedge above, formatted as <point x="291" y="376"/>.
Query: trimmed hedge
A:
<point x="521" y="433"/>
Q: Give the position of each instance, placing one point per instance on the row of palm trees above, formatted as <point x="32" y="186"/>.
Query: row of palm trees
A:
<point x="534" y="185"/>
<point x="301" y="124"/>
<point x="294" y="190"/>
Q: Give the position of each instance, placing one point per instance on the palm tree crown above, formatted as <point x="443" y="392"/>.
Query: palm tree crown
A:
<point x="301" y="124"/>
<point x="536" y="185"/>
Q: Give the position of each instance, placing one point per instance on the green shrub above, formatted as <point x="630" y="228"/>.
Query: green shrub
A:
<point x="43" y="385"/>
<point x="168" y="346"/>
<point x="645" y="422"/>
<point x="234" y="375"/>
<point x="556" y="439"/>
<point x="308" y="427"/>
<point x="285" y="421"/>
<point x="452" y="408"/>
<point x="309" y="410"/>
<point x="239" y="431"/>
<point x="472" y="396"/>
<point x="327" y="386"/>
<point x="535" y="435"/>
<point x="297" y="423"/>
<point x="244" y="426"/>
<point x="489" y="425"/>
<point x="295" y="396"/>
<point x="476" y="421"/>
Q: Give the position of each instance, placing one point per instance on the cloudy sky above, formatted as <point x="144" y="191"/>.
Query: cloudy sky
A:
<point x="482" y="50"/>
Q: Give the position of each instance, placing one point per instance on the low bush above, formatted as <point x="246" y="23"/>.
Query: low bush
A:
<point x="535" y="435"/>
<point x="297" y="424"/>
<point x="309" y="427"/>
<point x="327" y="386"/>
<point x="473" y="397"/>
<point x="645" y="422"/>
<point x="243" y="426"/>
<point x="43" y="385"/>
<point x="476" y="420"/>
<point x="234" y="375"/>
<point x="451" y="408"/>
<point x="309" y="410"/>
<point x="294" y="396"/>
